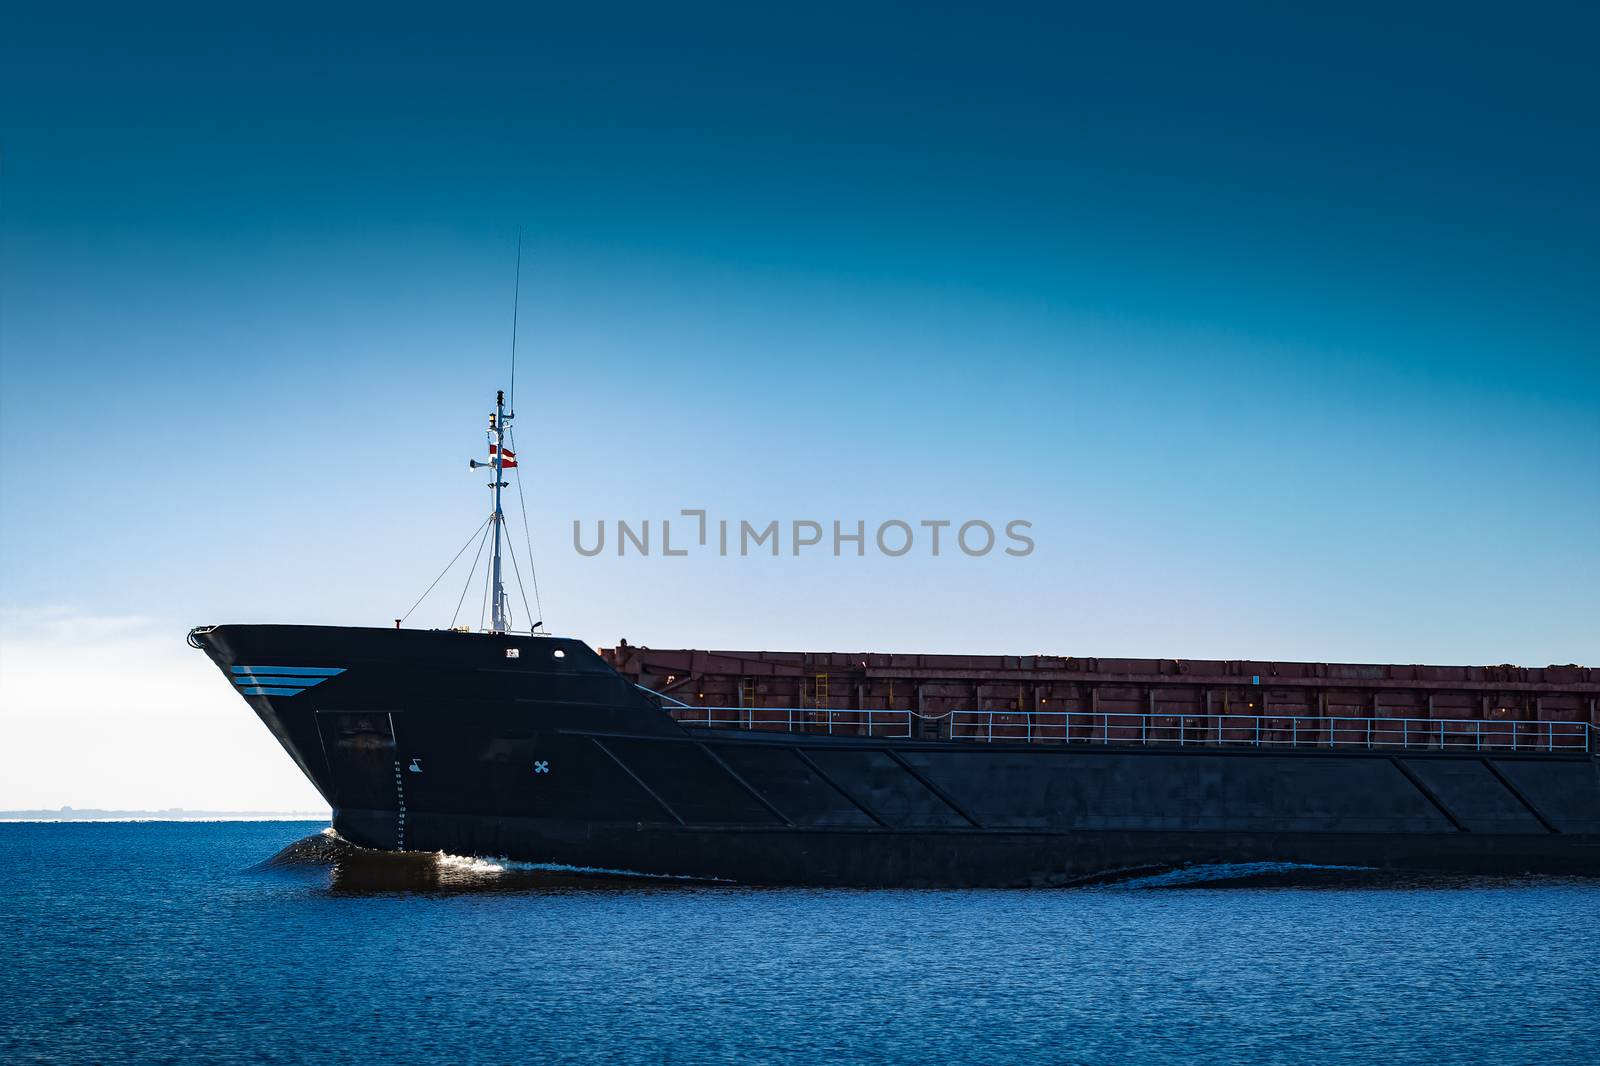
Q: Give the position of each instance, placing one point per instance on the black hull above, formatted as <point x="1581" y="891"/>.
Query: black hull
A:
<point x="437" y="741"/>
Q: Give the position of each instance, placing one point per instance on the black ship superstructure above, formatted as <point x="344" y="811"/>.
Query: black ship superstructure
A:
<point x="1011" y="772"/>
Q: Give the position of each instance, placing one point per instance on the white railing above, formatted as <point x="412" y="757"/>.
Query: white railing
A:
<point x="1175" y="729"/>
<point x="866" y="723"/>
<point x="1299" y="731"/>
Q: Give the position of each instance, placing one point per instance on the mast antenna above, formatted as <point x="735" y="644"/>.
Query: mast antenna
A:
<point x="516" y="303"/>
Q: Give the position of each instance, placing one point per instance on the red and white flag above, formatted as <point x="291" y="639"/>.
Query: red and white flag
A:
<point x="508" y="458"/>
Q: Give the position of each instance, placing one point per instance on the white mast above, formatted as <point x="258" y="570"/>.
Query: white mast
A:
<point x="497" y="451"/>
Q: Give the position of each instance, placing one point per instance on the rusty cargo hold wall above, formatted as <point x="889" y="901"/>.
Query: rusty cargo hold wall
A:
<point x="934" y="685"/>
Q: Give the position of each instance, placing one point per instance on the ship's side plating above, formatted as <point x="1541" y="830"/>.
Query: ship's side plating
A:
<point x="534" y="748"/>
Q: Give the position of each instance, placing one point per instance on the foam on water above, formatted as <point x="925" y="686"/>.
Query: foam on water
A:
<point x="352" y="868"/>
<point x="467" y="864"/>
<point x="1231" y="872"/>
<point x="473" y="864"/>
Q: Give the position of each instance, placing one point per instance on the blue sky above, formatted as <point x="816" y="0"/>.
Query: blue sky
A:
<point x="1280" y="326"/>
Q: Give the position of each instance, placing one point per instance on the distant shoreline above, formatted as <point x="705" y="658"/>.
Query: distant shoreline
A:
<point x="175" y="814"/>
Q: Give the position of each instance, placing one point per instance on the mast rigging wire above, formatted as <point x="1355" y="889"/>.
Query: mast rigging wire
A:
<point x="533" y="571"/>
<point x="445" y="571"/>
<point x="488" y="580"/>
<point x="522" y="588"/>
<point x="471" y="570"/>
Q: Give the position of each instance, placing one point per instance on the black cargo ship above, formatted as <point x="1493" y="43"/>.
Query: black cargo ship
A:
<point x="773" y="768"/>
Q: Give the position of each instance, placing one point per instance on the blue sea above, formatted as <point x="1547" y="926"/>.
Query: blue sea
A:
<point x="172" y="942"/>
